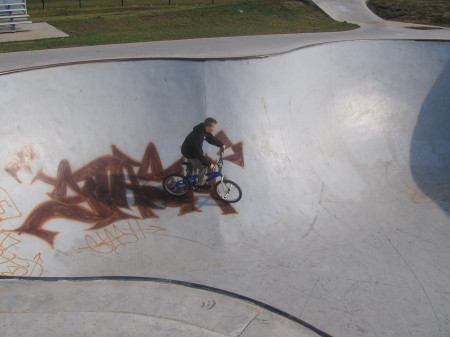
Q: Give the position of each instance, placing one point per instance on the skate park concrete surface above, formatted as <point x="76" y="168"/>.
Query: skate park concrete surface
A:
<point x="340" y="143"/>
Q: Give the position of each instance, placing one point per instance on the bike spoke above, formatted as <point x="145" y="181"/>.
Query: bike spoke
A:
<point x="228" y="192"/>
<point x="176" y="185"/>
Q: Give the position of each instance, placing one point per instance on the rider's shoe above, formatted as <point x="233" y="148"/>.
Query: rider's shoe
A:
<point x="204" y="187"/>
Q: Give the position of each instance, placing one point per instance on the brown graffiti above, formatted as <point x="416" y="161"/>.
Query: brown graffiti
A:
<point x="238" y="149"/>
<point x="15" y="265"/>
<point x="109" y="239"/>
<point x="21" y="160"/>
<point x="105" y="184"/>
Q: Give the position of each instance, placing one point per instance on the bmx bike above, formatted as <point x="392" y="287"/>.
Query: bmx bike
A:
<point x="226" y="190"/>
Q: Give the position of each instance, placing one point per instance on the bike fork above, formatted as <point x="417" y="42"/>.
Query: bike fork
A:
<point x="226" y="188"/>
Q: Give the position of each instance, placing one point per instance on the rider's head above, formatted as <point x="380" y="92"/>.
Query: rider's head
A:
<point x="210" y="124"/>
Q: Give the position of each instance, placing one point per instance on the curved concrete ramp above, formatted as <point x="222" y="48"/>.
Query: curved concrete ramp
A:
<point x="137" y="307"/>
<point x="342" y="151"/>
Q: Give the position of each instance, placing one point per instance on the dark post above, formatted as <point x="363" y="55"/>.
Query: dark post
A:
<point x="43" y="4"/>
<point x="79" y="2"/>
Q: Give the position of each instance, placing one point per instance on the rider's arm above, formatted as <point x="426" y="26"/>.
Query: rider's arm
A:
<point x="213" y="140"/>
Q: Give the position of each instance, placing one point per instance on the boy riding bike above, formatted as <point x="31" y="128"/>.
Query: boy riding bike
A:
<point x="192" y="150"/>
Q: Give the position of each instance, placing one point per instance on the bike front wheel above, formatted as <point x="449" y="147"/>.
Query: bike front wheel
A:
<point x="176" y="185"/>
<point x="228" y="191"/>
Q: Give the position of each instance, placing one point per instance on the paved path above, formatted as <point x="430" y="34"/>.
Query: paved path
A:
<point x="355" y="11"/>
<point x="33" y="31"/>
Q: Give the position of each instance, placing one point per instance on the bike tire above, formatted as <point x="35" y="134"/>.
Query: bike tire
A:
<point x="228" y="191"/>
<point x="170" y="185"/>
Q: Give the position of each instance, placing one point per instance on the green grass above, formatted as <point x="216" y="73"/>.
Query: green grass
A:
<point x="107" y="22"/>
<point x="431" y="12"/>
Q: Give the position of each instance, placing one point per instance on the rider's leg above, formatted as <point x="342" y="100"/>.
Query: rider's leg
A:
<point x="190" y="169"/>
<point x="202" y="175"/>
<point x="197" y="165"/>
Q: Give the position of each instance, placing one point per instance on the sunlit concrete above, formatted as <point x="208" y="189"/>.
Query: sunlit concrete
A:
<point x="344" y="224"/>
<point x="137" y="308"/>
<point x="344" y="221"/>
<point x="226" y="47"/>
<point x="32" y="31"/>
<point x="348" y="10"/>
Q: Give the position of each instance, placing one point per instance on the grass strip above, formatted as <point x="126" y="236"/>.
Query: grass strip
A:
<point x="102" y="24"/>
<point x="429" y="12"/>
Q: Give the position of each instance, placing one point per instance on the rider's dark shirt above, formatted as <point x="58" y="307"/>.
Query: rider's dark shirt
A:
<point x="192" y="147"/>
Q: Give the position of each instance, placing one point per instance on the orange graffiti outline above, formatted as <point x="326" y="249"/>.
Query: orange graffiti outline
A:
<point x="15" y="206"/>
<point x="13" y="263"/>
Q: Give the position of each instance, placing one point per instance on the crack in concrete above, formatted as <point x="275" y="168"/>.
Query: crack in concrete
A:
<point x="309" y="296"/>
<point x="420" y="283"/>
<point x="248" y="324"/>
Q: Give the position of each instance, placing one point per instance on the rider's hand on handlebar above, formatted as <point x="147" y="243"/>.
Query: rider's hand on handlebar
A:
<point x="211" y="166"/>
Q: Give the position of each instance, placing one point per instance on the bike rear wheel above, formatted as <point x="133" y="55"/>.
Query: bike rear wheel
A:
<point x="176" y="185"/>
<point x="228" y="191"/>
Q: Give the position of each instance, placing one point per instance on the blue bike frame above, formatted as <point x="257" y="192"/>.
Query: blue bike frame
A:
<point x="190" y="181"/>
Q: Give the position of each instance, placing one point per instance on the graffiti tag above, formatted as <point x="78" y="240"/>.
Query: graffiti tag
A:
<point x="108" y="240"/>
<point x="13" y="265"/>
<point x="105" y="185"/>
<point x="8" y="209"/>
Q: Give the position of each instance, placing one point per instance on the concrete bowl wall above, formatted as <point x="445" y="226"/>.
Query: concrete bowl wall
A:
<point x="342" y="154"/>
